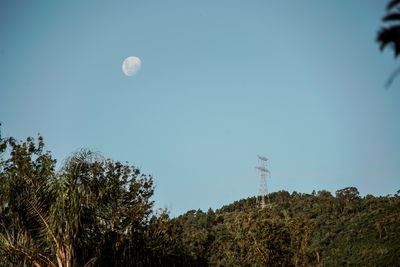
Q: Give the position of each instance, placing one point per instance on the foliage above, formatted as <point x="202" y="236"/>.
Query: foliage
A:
<point x="299" y="230"/>
<point x="390" y="35"/>
<point x="97" y="212"/>
<point x="92" y="212"/>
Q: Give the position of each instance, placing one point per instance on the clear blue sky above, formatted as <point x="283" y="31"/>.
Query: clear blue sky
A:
<point x="300" y="82"/>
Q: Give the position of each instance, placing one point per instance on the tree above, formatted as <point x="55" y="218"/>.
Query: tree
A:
<point x="25" y="177"/>
<point x="390" y="35"/>
<point x="68" y="218"/>
<point x="348" y="193"/>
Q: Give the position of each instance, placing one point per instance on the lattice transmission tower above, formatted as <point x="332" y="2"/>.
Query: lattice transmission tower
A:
<point x="262" y="190"/>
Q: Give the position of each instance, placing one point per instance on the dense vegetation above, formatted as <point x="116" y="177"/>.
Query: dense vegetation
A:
<point x="315" y="229"/>
<point x="97" y="212"/>
<point x="93" y="212"/>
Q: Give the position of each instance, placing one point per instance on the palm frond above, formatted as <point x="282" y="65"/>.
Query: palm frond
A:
<point x="391" y="17"/>
<point x="392" y="4"/>
<point x="18" y="243"/>
<point x="39" y="212"/>
<point x="394" y="74"/>
<point x="390" y="36"/>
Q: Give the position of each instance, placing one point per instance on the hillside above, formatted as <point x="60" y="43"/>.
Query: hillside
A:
<point x="296" y="230"/>
<point x="99" y="212"/>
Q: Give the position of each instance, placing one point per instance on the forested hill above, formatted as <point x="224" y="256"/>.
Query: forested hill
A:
<point x="98" y="212"/>
<point x="296" y="229"/>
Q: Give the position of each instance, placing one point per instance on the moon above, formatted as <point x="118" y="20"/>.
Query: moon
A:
<point x="131" y="65"/>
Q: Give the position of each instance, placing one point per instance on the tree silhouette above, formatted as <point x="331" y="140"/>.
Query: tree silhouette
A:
<point x="390" y="35"/>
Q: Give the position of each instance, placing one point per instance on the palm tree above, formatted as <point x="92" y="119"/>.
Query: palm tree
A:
<point x="65" y="218"/>
<point x="391" y="35"/>
<point x="26" y="192"/>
